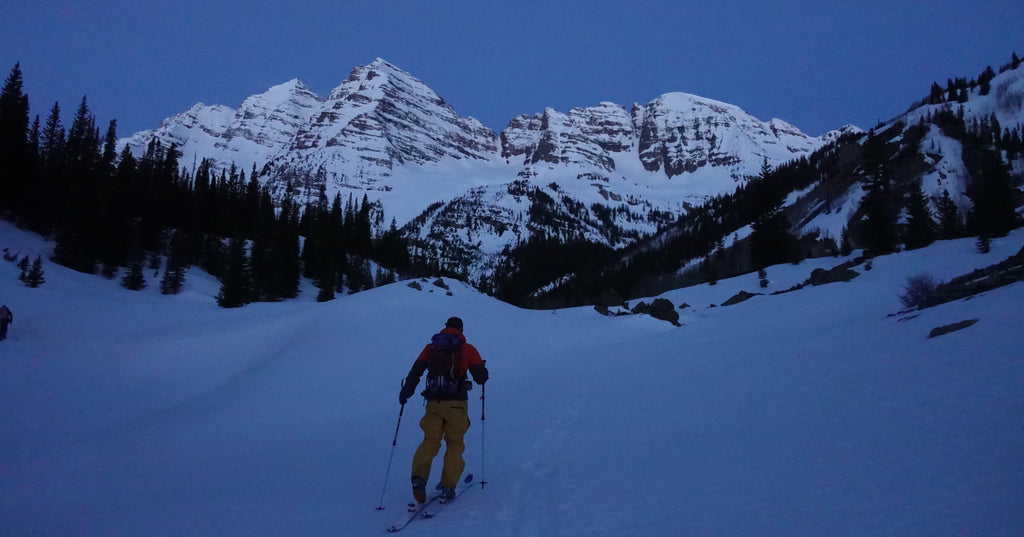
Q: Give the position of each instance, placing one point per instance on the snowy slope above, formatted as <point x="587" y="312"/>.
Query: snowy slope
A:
<point x="942" y="168"/>
<point x="808" y="413"/>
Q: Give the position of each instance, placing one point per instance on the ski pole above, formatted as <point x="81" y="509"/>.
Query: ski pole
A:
<point x="387" y="473"/>
<point x="483" y="437"/>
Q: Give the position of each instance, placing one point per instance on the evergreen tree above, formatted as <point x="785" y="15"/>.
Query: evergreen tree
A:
<point x="110" y="147"/>
<point x="35" y="276"/>
<point x="108" y="270"/>
<point x="920" y="226"/>
<point x="14" y="146"/>
<point x="771" y="241"/>
<point x="964" y="96"/>
<point x="985" y="81"/>
<point x="984" y="244"/>
<point x="82" y="146"/>
<point x="236" y="286"/>
<point x="878" y="205"/>
<point x="366" y="273"/>
<point x="212" y="257"/>
<point x="52" y="142"/>
<point x="391" y="249"/>
<point x="77" y="193"/>
<point x="949" y="217"/>
<point x="34" y="137"/>
<point x="134" y="278"/>
<point x="363" y="228"/>
<point x="23" y="266"/>
<point x="992" y="192"/>
<point x="326" y="286"/>
<point x="358" y="276"/>
<point x="936" y="94"/>
<point x="174" y="275"/>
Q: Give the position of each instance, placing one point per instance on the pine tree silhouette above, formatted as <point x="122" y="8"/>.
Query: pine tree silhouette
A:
<point x="35" y="276"/>
<point x="920" y="225"/>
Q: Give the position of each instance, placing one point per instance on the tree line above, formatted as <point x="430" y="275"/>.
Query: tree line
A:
<point x="113" y="213"/>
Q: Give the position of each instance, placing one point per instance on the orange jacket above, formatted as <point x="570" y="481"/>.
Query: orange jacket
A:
<point x="469" y="356"/>
<point x="469" y="361"/>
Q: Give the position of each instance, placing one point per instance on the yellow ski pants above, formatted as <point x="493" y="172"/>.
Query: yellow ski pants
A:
<point x="448" y="421"/>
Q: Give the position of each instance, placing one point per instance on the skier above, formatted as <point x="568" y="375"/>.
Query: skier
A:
<point x="446" y="359"/>
<point x="6" y="318"/>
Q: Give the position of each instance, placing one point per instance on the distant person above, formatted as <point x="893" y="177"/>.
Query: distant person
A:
<point x="446" y="359"/>
<point x="6" y="318"/>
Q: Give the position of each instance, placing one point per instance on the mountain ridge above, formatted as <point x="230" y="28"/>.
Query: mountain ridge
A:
<point x="343" y="120"/>
<point x="465" y="195"/>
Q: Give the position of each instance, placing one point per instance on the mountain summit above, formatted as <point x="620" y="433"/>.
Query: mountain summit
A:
<point x="380" y="118"/>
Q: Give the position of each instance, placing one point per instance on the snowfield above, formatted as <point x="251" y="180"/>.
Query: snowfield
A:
<point x="811" y="413"/>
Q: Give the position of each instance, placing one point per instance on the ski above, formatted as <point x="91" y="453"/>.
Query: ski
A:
<point x="428" y="508"/>
<point x="414" y="510"/>
<point x="437" y="506"/>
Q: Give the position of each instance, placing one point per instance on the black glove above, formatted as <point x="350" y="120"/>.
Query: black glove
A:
<point x="479" y="373"/>
<point x="407" y="390"/>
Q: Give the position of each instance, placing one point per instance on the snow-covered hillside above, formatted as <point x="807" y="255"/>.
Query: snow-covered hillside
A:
<point x="811" y="413"/>
<point x="941" y="167"/>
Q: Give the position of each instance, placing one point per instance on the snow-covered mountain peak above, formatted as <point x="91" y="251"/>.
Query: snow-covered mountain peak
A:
<point x="273" y="117"/>
<point x="262" y="126"/>
<point x="681" y="101"/>
<point x="682" y="133"/>
<point x="379" y="118"/>
<point x="208" y="118"/>
<point x="378" y="80"/>
<point x="834" y="135"/>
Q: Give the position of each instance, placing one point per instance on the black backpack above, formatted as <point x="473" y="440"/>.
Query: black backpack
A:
<point x="443" y="366"/>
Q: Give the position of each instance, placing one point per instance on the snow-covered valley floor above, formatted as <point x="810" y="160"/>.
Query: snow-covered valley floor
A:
<point x="811" y="413"/>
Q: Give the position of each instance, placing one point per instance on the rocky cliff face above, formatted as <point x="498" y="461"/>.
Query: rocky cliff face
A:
<point x="673" y="135"/>
<point x="586" y="137"/>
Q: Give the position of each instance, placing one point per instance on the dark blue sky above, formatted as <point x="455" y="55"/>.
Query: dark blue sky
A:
<point x="817" y="64"/>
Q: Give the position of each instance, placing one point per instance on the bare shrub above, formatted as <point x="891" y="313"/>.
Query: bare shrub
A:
<point x="919" y="291"/>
